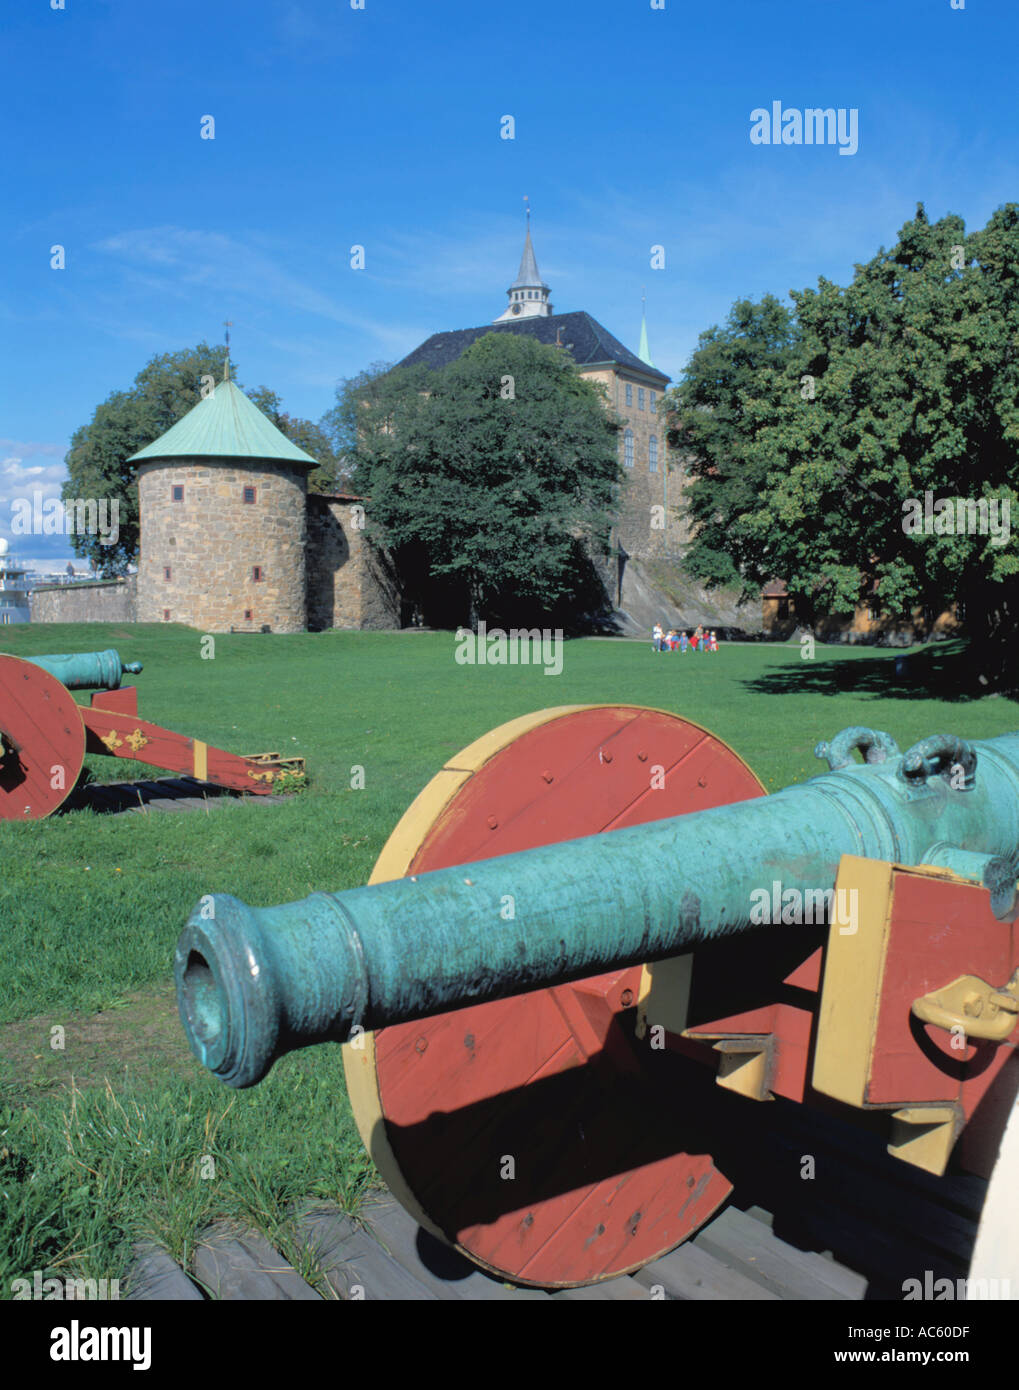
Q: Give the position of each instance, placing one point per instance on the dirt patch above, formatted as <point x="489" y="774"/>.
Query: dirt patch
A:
<point x="136" y="1042"/>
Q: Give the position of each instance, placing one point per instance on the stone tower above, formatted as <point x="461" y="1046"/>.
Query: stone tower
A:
<point x="528" y="294"/>
<point x="222" y="510"/>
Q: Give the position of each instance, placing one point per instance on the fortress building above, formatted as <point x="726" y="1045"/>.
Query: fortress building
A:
<point x="231" y="540"/>
<point x="646" y="527"/>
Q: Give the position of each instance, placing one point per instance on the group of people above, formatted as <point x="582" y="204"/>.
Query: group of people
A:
<point x="698" y="640"/>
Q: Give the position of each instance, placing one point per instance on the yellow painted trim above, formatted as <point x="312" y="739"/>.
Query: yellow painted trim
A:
<point x="665" y="986"/>
<point x="664" y="996"/>
<point x="851" y="988"/>
<point x="925" y="1135"/>
<point x="394" y="861"/>
<point x="399" y="850"/>
<point x="201" y="751"/>
<point x="744" y="1066"/>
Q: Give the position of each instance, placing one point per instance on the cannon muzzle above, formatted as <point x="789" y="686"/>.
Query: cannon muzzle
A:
<point x="87" y="670"/>
<point x="255" y="983"/>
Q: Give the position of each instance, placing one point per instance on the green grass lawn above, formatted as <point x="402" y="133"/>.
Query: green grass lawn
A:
<point x="90" y="905"/>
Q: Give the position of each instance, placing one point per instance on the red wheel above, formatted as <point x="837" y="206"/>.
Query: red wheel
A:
<point x="528" y="1132"/>
<point x="42" y="741"/>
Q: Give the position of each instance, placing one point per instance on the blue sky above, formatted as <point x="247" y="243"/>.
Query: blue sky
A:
<point x="381" y="127"/>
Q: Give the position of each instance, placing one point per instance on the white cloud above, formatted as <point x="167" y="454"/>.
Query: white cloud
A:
<point x="210" y="259"/>
<point x="35" y="474"/>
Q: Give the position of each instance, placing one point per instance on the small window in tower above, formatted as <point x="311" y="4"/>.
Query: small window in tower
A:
<point x="629" y="394"/>
<point x="256" y="574"/>
<point x="177" y="492"/>
<point x="654" y="403"/>
<point x="247" y="615"/>
<point x="628" y="448"/>
<point x="166" y="615"/>
<point x="640" y="398"/>
<point x="250" y="494"/>
<point x="167" y="572"/>
<point x="652" y="454"/>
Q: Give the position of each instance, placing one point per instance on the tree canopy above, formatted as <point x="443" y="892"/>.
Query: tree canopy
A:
<point x="815" y="432"/>
<point x="494" y="477"/>
<point x="164" y="391"/>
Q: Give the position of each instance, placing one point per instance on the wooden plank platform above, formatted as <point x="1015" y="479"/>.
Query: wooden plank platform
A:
<point x="245" y="1266"/>
<point x="157" y="1277"/>
<point x="861" y="1225"/>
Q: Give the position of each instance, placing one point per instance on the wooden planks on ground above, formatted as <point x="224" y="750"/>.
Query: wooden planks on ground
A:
<point x="857" y="1228"/>
<point x="354" y="1264"/>
<point x="245" y="1266"/>
<point x="693" y="1275"/>
<point x="155" y="1276"/>
<point x="441" y="1270"/>
<point x="872" y="1212"/>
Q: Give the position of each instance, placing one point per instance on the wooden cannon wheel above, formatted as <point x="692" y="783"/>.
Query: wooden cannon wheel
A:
<point x="42" y="741"/>
<point x="527" y="1132"/>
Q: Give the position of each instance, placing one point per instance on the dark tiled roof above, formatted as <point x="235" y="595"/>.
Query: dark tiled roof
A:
<point x="588" y="343"/>
<point x="775" y="589"/>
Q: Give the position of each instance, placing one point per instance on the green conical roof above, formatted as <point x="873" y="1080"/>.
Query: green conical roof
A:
<point x="224" y="425"/>
<point x="643" y="351"/>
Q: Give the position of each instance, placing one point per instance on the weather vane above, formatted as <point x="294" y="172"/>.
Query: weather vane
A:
<point x="228" y="324"/>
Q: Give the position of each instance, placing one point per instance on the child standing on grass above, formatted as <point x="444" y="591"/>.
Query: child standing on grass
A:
<point x="684" y="642"/>
<point x="656" y="637"/>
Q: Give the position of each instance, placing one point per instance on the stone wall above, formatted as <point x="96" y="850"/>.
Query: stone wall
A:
<point x="642" y="532"/>
<point x="212" y="560"/>
<point x="102" y="601"/>
<point x="350" y="584"/>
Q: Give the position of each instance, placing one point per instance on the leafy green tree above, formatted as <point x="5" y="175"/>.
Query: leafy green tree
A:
<point x="343" y="422"/>
<point x="493" y="478"/>
<point x="903" y="383"/>
<point x="707" y="421"/>
<point x="164" y="391"/>
<point x="313" y="438"/>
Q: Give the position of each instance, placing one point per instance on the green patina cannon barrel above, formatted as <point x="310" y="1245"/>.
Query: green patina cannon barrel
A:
<point x="87" y="670"/>
<point x="255" y="983"/>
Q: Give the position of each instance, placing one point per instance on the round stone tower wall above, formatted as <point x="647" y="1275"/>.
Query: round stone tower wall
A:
<point x="215" y="556"/>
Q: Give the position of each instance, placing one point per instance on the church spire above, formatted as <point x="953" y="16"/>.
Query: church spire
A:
<point x="644" y="352"/>
<point x="528" y="294"/>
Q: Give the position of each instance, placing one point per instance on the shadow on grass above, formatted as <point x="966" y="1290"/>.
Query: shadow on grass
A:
<point x="946" y="671"/>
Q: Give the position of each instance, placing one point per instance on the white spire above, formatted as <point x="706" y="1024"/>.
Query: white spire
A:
<point x="528" y="294"/>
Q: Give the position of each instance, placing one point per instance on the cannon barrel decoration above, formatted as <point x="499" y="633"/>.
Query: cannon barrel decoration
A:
<point x="506" y="960"/>
<point x="45" y="734"/>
